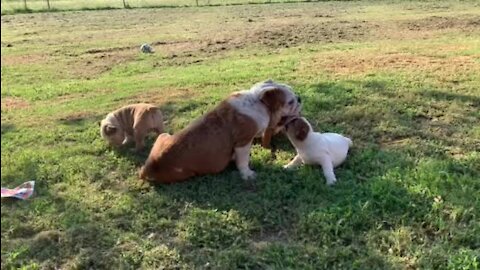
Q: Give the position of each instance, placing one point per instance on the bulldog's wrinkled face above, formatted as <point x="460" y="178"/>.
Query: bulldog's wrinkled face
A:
<point x="113" y="134"/>
<point x="293" y="103"/>
<point x="280" y="100"/>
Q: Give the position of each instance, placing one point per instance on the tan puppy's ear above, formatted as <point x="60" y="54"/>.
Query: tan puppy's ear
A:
<point x="109" y="130"/>
<point x="301" y="129"/>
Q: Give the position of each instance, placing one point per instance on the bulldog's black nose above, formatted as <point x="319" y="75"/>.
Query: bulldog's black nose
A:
<point x="299" y="99"/>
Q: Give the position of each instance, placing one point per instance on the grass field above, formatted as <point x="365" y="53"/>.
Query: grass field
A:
<point x="401" y="79"/>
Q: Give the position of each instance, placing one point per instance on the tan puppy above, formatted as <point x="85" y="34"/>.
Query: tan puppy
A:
<point x="326" y="149"/>
<point x="131" y="123"/>
<point x="208" y="144"/>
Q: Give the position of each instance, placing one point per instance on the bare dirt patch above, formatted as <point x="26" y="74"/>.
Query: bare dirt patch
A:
<point x="360" y="64"/>
<point x="295" y="34"/>
<point x="11" y="60"/>
<point x="11" y="103"/>
<point x="162" y="96"/>
<point x="92" y="65"/>
<point x="439" y="23"/>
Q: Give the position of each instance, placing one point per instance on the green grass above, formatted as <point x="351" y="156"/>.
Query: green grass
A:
<point x="402" y="79"/>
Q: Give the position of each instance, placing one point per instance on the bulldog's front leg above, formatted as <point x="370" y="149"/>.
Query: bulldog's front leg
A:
<point x="242" y="159"/>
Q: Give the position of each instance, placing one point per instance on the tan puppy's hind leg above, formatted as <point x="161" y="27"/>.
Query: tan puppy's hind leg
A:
<point x="139" y="136"/>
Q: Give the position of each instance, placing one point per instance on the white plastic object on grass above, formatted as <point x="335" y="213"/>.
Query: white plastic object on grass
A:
<point x="23" y="192"/>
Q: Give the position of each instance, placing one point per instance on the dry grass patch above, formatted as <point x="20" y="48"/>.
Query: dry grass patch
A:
<point x="362" y="63"/>
<point x="12" y="103"/>
<point x="25" y="59"/>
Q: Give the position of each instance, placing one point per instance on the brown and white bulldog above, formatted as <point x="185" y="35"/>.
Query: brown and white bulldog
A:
<point x="131" y="123"/>
<point x="208" y="144"/>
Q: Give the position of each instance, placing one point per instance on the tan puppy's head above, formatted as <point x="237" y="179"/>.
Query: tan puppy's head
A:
<point x="111" y="130"/>
<point x="297" y="128"/>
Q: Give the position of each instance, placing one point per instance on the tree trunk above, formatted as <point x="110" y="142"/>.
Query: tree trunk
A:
<point x="196" y="2"/>
<point x="25" y="4"/>
<point x="124" y="4"/>
<point x="48" y="4"/>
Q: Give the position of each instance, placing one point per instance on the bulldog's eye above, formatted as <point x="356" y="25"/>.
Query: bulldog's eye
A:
<point x="290" y="102"/>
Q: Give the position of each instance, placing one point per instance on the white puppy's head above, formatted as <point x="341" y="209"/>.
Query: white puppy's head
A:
<point x="279" y="99"/>
<point x="297" y="128"/>
<point x="111" y="130"/>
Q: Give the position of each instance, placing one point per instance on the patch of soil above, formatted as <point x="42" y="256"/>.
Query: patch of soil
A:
<point x="355" y="64"/>
<point x="10" y="60"/>
<point x="295" y="34"/>
<point x="275" y="35"/>
<point x="92" y="65"/>
<point x="439" y="23"/>
<point x="161" y="97"/>
<point x="108" y="50"/>
<point x="11" y="103"/>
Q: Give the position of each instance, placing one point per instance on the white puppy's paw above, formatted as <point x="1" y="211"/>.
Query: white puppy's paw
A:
<point x="248" y="174"/>
<point x="331" y="182"/>
<point x="288" y="167"/>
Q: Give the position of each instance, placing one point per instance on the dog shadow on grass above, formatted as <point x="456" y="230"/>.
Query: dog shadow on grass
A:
<point x="6" y="128"/>
<point x="77" y="237"/>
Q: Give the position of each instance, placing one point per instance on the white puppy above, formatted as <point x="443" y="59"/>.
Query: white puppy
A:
<point x="326" y="149"/>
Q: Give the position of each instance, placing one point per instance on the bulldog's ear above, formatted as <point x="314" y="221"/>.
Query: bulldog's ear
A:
<point x="301" y="129"/>
<point x="109" y="130"/>
<point x="274" y="99"/>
